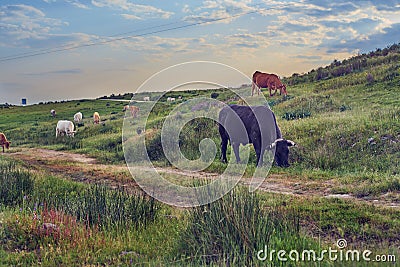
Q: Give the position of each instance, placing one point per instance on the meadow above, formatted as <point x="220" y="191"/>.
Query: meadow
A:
<point x="344" y="179"/>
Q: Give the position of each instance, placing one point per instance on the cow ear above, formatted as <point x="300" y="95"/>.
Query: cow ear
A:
<point x="290" y="143"/>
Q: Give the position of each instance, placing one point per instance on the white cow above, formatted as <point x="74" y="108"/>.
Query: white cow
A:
<point x="170" y="99"/>
<point x="78" y="117"/>
<point x="65" y="127"/>
<point x="53" y="113"/>
<point x="146" y="98"/>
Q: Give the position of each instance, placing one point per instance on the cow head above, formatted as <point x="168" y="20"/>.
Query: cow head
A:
<point x="282" y="151"/>
<point x="71" y="133"/>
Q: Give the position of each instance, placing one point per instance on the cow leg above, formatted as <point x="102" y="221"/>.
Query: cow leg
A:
<point x="224" y="145"/>
<point x="236" y="151"/>
<point x="252" y="89"/>
<point x="274" y="88"/>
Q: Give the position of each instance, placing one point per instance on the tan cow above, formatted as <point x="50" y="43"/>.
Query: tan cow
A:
<point x="134" y="110"/>
<point x="96" y="118"/>
<point x="4" y="142"/>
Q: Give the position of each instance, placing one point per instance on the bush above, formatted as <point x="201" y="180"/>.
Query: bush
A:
<point x="214" y="95"/>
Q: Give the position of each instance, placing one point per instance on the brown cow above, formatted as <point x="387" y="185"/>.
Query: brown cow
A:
<point x="4" y="142"/>
<point x="266" y="80"/>
<point x="134" y="110"/>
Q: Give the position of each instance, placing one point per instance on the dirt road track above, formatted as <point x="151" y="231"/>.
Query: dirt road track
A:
<point x="79" y="167"/>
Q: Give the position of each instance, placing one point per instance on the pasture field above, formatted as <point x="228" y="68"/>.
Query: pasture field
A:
<point x="72" y="202"/>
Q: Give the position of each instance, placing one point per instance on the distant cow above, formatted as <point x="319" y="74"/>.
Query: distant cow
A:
<point x="4" y="142"/>
<point x="266" y="80"/>
<point x="65" y="127"/>
<point x="78" y="117"/>
<point x="53" y="113"/>
<point x="134" y="110"/>
<point x="96" y="118"/>
<point x="256" y="125"/>
<point x="146" y="98"/>
<point x="170" y="99"/>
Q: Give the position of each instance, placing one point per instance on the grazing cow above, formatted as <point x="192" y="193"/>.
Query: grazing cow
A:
<point x="134" y="110"/>
<point x="65" y="127"/>
<point x="78" y="117"/>
<point x="53" y="113"/>
<point x="256" y="125"/>
<point x="266" y="80"/>
<point x="146" y="98"/>
<point x="96" y="118"/>
<point x="170" y="99"/>
<point x="4" y="142"/>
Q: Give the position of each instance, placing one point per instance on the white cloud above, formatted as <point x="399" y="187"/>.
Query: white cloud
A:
<point x="130" y="17"/>
<point x="29" y="27"/>
<point x="77" y="4"/>
<point x="18" y="22"/>
<point x="219" y="11"/>
<point x="135" y="9"/>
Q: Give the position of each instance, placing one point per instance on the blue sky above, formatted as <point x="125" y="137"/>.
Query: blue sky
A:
<point x="112" y="46"/>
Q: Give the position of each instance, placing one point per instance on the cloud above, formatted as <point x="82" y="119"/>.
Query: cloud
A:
<point x="378" y="40"/>
<point x="28" y="27"/>
<point x="78" y="4"/>
<point x="137" y="10"/>
<point x="55" y="72"/>
<point x="21" y="22"/>
<point x="331" y="24"/>
<point x="221" y="11"/>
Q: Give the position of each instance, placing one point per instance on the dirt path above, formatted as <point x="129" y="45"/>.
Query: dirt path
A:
<point x="79" y="167"/>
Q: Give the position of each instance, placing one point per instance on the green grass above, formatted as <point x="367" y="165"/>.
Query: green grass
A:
<point x="347" y="129"/>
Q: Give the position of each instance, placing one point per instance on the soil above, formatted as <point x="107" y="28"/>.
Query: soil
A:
<point x="82" y="168"/>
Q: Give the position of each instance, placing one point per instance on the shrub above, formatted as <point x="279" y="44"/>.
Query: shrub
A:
<point x="370" y="79"/>
<point x="214" y="95"/>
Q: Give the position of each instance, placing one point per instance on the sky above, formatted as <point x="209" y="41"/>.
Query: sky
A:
<point x="73" y="49"/>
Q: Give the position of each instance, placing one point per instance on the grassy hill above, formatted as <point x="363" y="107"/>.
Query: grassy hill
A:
<point x="345" y="122"/>
<point x="345" y="118"/>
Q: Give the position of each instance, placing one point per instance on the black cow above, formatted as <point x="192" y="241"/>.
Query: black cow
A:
<point x="256" y="125"/>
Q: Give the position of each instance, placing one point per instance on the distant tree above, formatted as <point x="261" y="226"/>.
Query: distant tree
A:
<point x="214" y="95"/>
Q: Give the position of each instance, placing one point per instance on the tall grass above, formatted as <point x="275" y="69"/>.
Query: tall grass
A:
<point x="233" y="229"/>
<point x="15" y="184"/>
<point x="92" y="204"/>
